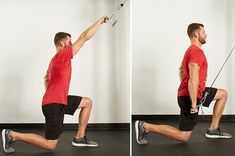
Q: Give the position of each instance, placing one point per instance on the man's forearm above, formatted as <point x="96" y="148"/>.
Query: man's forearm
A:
<point x="180" y="75"/>
<point x="88" y="33"/>
<point x="46" y="80"/>
<point x="193" y="89"/>
<point x="193" y="82"/>
<point x="45" y="83"/>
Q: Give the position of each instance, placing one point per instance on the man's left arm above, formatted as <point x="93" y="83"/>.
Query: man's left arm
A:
<point x="46" y="79"/>
<point x="180" y="73"/>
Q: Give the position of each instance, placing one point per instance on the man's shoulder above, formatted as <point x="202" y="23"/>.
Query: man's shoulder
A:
<point x="195" y="50"/>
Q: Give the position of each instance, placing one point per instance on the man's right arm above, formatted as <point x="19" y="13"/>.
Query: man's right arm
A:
<point x="87" y="34"/>
<point x="193" y="83"/>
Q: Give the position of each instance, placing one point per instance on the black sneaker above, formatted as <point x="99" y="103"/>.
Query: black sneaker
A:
<point x="83" y="142"/>
<point x="140" y="132"/>
<point x="7" y="141"/>
<point x="217" y="133"/>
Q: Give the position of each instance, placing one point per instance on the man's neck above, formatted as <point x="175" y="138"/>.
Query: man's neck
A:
<point x="58" y="49"/>
<point x="196" y="43"/>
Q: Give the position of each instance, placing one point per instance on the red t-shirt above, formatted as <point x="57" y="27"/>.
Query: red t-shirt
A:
<point x="59" y="75"/>
<point x="193" y="55"/>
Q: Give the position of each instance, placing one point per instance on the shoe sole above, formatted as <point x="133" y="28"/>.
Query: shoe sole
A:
<point x="83" y="145"/>
<point x="4" y="140"/>
<point x="137" y="131"/>
<point x="217" y="136"/>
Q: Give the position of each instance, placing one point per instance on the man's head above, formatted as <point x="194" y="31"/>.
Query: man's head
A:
<point x="62" y="39"/>
<point x="197" y="31"/>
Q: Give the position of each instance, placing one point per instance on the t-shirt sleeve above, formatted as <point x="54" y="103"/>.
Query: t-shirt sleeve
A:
<point x="66" y="54"/>
<point x="196" y="57"/>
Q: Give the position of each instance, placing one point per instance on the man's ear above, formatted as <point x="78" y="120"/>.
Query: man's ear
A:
<point x="196" y="34"/>
<point x="62" y="44"/>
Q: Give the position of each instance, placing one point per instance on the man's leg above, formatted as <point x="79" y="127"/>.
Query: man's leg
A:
<point x="53" y="128"/>
<point x="186" y="124"/>
<point x="9" y="137"/>
<point x="221" y="98"/>
<point x="214" y="131"/>
<point x="168" y="131"/>
<point x="86" y="106"/>
<point x="34" y="139"/>
<point x="165" y="130"/>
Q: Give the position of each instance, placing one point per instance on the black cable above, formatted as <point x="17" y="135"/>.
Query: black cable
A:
<point x="223" y="66"/>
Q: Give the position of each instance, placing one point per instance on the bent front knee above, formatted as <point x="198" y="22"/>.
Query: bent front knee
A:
<point x="224" y="93"/>
<point x="88" y="102"/>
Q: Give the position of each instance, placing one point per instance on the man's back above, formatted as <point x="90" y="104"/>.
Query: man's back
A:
<point x="59" y="75"/>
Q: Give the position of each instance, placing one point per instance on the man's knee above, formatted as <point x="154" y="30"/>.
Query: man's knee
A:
<point x="51" y="145"/>
<point x="87" y="102"/>
<point x="184" y="136"/>
<point x="221" y="94"/>
<point x="224" y="93"/>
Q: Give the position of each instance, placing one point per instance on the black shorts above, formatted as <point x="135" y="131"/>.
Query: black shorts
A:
<point x="188" y="120"/>
<point x="54" y="116"/>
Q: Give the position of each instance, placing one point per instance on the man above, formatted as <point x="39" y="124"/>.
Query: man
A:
<point x="56" y="102"/>
<point x="191" y="93"/>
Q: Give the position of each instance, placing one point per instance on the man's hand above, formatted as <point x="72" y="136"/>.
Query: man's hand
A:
<point x="104" y="19"/>
<point x="194" y="110"/>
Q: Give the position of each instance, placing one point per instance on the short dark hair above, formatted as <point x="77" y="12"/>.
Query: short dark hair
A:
<point x="59" y="36"/>
<point x="192" y="27"/>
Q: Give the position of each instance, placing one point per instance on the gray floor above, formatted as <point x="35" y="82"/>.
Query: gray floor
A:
<point x="111" y="142"/>
<point x="198" y="145"/>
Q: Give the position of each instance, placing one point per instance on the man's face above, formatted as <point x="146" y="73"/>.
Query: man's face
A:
<point x="202" y="35"/>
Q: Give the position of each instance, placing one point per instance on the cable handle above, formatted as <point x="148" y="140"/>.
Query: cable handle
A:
<point x="117" y="9"/>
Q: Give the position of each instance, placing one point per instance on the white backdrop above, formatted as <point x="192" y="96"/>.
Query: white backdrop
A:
<point x="159" y="43"/>
<point x="100" y="70"/>
<point x="231" y="67"/>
